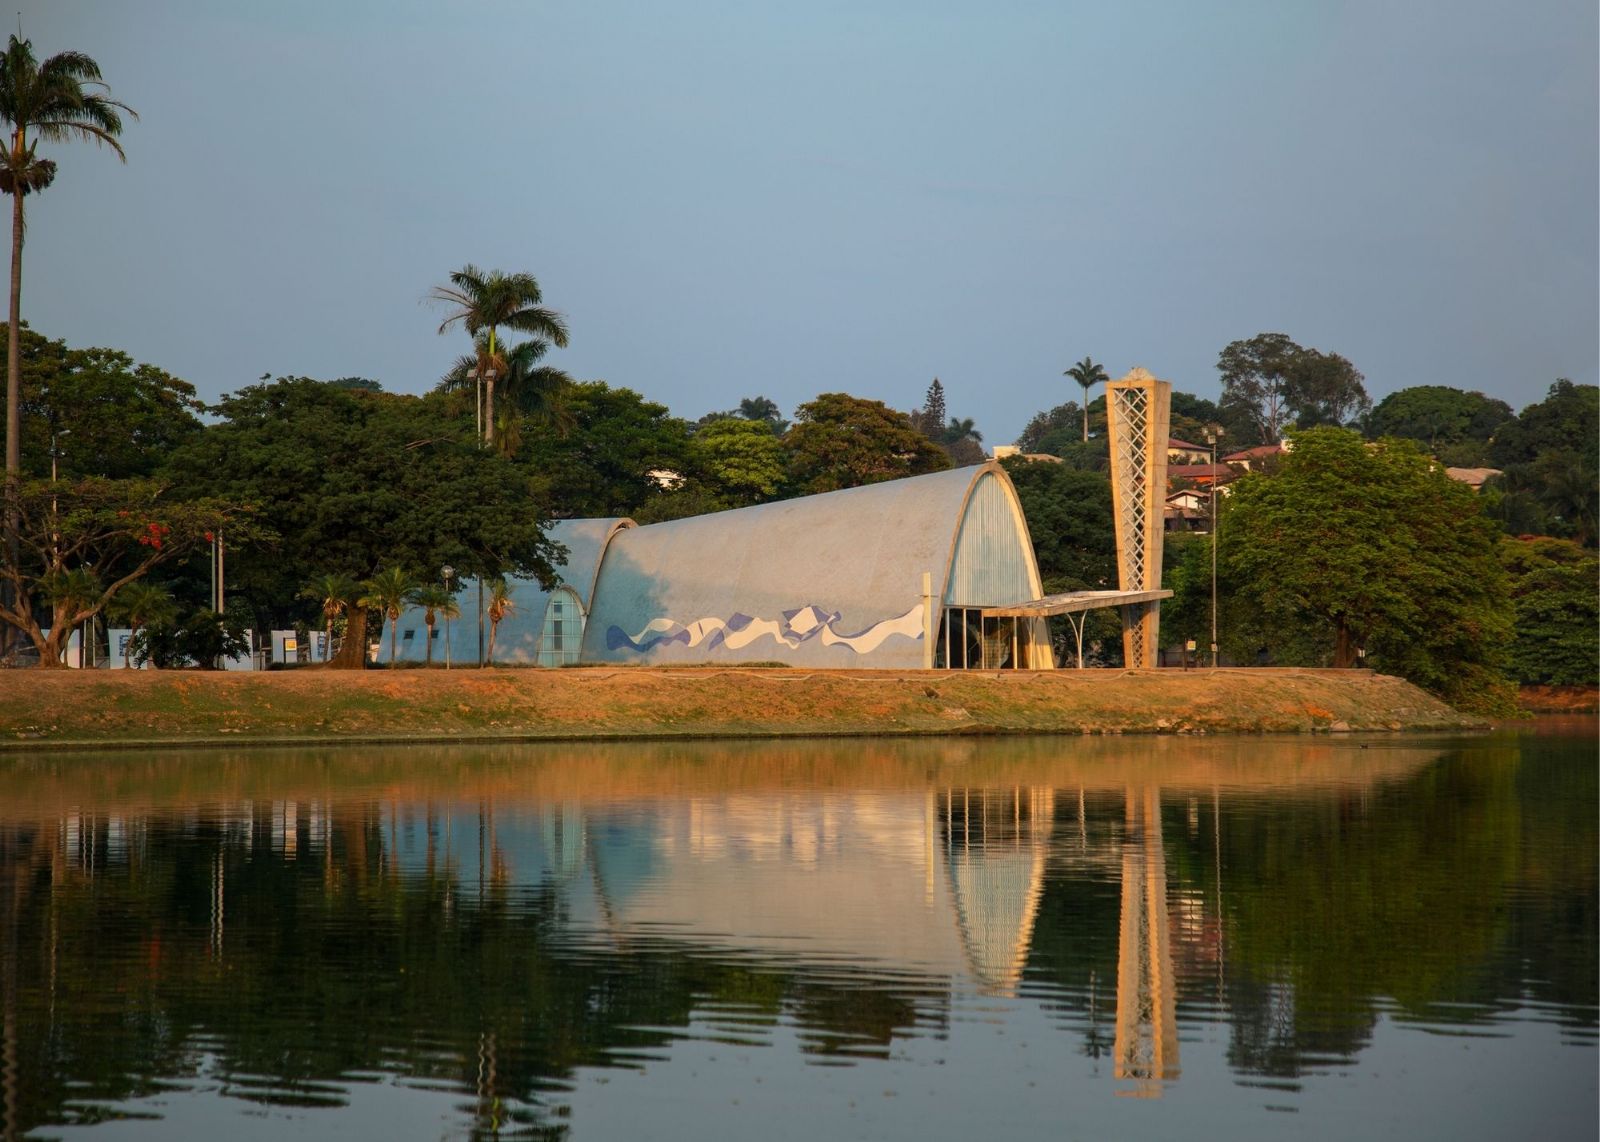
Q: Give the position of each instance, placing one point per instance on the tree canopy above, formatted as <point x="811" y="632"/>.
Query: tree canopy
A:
<point x="841" y="441"/>
<point x="1557" y="611"/>
<point x="1069" y="518"/>
<point x="621" y="453"/>
<point x="103" y="414"/>
<point x="352" y="481"/>
<point x="1269" y="382"/>
<point x="81" y="541"/>
<point x="1442" y="419"/>
<point x="1355" y="545"/>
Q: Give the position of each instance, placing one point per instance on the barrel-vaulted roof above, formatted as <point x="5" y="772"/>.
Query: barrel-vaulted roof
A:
<point x="824" y="580"/>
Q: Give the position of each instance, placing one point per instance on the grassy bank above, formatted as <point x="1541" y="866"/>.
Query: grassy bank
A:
<point x="138" y="707"/>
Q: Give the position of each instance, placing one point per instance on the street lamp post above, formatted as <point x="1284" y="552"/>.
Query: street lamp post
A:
<point x="1214" y="433"/>
<point x="448" y="573"/>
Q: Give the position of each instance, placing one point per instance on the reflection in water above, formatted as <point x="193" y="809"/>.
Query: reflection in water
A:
<point x="1147" y="1028"/>
<point x="496" y="928"/>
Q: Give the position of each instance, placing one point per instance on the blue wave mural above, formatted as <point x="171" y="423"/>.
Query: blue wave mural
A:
<point x="738" y="631"/>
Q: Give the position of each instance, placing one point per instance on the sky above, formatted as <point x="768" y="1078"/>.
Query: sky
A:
<point x="730" y="199"/>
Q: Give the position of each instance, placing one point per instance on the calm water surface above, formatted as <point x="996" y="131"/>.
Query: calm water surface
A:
<point x="1099" y="938"/>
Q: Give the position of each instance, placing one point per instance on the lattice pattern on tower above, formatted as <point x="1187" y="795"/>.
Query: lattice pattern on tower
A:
<point x="1137" y="417"/>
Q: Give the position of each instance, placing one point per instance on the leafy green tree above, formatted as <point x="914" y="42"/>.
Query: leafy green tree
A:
<point x="99" y="412"/>
<point x="1439" y="416"/>
<point x="621" y="453"/>
<point x="1191" y="415"/>
<point x="1557" y="612"/>
<point x="1074" y="540"/>
<point x="1069" y="519"/>
<point x="390" y="592"/>
<point x="1255" y="381"/>
<point x="1567" y="484"/>
<point x="1326" y="389"/>
<point x="1374" y="546"/>
<point x="488" y="301"/>
<point x="80" y="542"/>
<point x="141" y="604"/>
<point x="761" y="409"/>
<point x="1269" y="381"/>
<point x="58" y="100"/>
<point x="841" y="441"/>
<point x="1551" y="459"/>
<point x="741" y="458"/>
<point x="1568" y="417"/>
<point x="204" y="640"/>
<point x="351" y="481"/>
<point x="434" y="601"/>
<point x="1048" y="426"/>
<point x="1088" y="375"/>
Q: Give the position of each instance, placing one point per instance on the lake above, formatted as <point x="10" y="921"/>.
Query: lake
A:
<point x="1106" y="937"/>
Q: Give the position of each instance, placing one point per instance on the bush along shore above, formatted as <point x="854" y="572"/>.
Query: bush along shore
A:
<point x="65" y="708"/>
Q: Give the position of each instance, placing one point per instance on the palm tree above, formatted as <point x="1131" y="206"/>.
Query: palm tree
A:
<point x="531" y="390"/>
<point x="390" y="591"/>
<point x="141" y="605"/>
<point x="490" y="301"/>
<point x="960" y="429"/>
<point x="57" y="100"/>
<point x="333" y="594"/>
<point x="500" y="605"/>
<point x="1088" y="374"/>
<point x="435" y="601"/>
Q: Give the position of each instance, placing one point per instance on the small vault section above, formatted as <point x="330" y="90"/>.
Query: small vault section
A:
<point x="1138" y="417"/>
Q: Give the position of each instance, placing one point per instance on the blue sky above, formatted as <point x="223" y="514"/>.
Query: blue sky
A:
<point x="730" y="199"/>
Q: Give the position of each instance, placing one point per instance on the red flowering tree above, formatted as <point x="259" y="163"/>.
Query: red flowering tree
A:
<point x="82" y="541"/>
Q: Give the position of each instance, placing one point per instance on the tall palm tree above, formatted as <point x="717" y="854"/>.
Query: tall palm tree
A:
<point x="434" y="601"/>
<point x="500" y="605"/>
<point x="1087" y="374"/>
<point x="531" y="390"/>
<point x="333" y="594"/>
<point x="141" y="604"/>
<point x="489" y="301"/>
<point x="390" y="591"/>
<point x="58" y="100"/>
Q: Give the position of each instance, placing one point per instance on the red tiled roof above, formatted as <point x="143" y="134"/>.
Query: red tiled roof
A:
<point x="1260" y="451"/>
<point x="1219" y="472"/>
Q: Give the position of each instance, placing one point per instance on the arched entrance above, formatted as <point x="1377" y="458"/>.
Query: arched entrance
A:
<point x="561" y="635"/>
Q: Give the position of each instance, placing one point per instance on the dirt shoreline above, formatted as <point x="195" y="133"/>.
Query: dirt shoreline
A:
<point x="69" y="709"/>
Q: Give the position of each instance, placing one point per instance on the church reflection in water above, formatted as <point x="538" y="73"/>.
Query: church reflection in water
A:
<point x="914" y="880"/>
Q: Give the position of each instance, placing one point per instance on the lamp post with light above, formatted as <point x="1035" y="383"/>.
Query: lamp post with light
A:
<point x="1214" y="433"/>
<point x="448" y="573"/>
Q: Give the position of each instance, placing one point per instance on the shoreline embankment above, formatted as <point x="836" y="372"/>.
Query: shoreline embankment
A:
<point x="47" y="710"/>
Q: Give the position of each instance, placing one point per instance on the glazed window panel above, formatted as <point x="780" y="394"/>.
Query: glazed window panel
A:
<point x="561" y="635"/>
